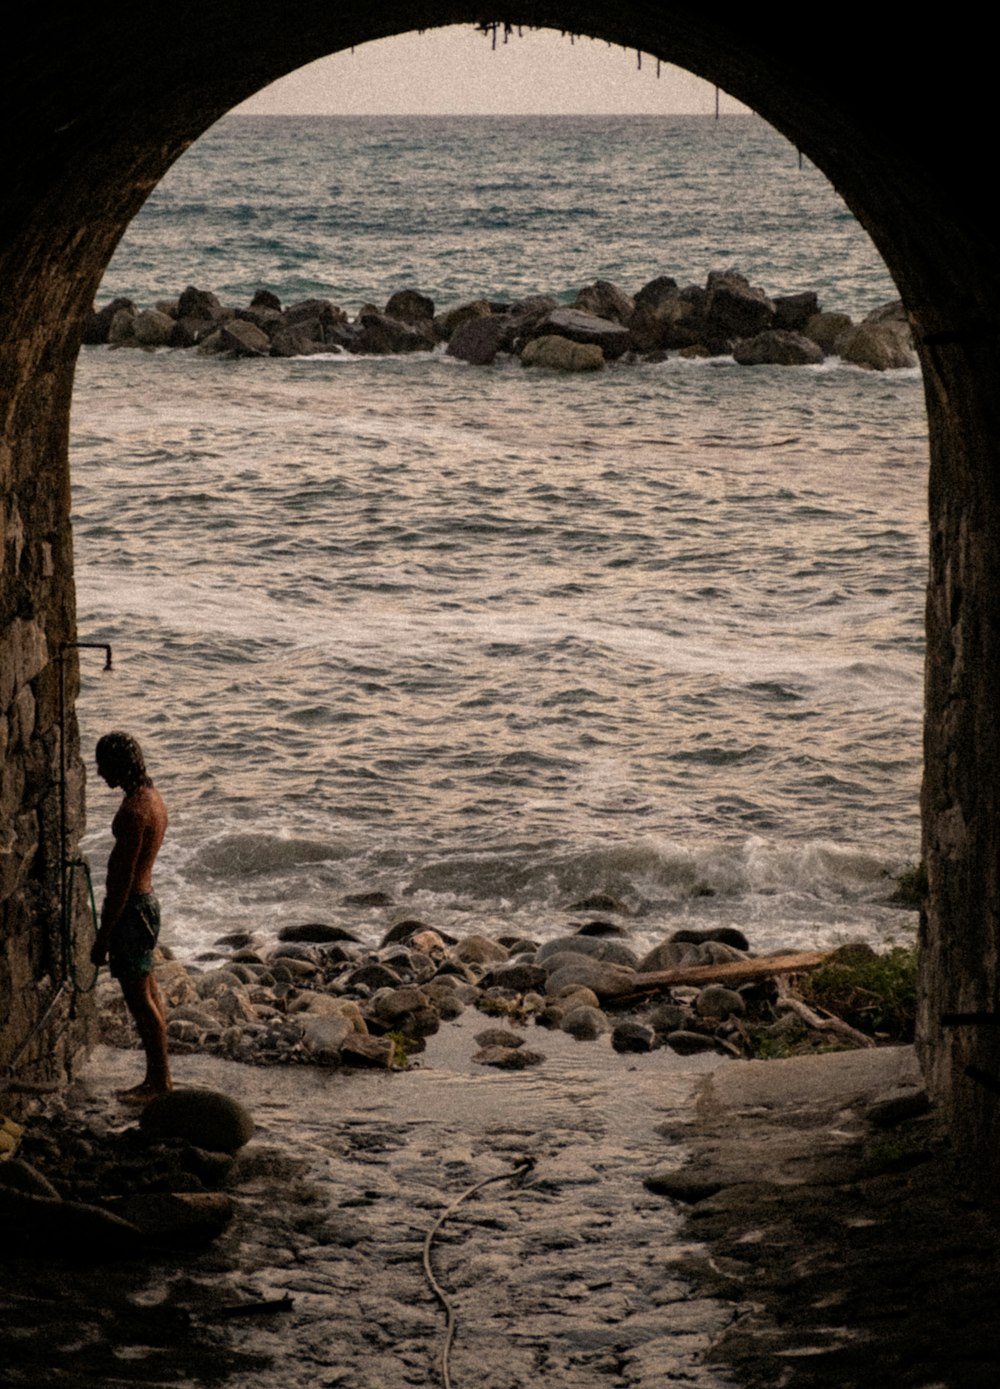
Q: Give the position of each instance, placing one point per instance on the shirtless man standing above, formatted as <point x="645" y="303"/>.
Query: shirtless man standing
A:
<point x="130" y="916"/>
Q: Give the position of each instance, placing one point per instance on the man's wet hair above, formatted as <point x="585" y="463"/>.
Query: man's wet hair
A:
<point x="120" y="754"/>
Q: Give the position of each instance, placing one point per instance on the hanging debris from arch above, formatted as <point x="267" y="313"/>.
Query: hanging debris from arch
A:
<point x="493" y="27"/>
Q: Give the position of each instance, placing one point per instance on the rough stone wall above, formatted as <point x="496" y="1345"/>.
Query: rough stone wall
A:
<point x="36" y="617"/>
<point x="960" y="927"/>
<point x="90" y="125"/>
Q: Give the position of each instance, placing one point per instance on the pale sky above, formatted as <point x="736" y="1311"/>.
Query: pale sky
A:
<point x="454" y="71"/>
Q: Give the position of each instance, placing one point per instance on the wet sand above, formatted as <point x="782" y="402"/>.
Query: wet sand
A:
<point x="568" y="1276"/>
<point x="833" y="1253"/>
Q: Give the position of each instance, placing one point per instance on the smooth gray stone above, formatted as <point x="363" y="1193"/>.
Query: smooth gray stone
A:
<point x="681" y="1185"/>
<point x="586" y="1024"/>
<point x="716" y="1001"/>
<point x="633" y="1036"/>
<point x="607" y="980"/>
<point x="206" y="1118"/>
<point x="689" y="1043"/>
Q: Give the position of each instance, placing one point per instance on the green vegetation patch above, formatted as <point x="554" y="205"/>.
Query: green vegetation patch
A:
<point x="911" y="887"/>
<point x="875" y="993"/>
<point x="404" y="1048"/>
<point x="787" y="1038"/>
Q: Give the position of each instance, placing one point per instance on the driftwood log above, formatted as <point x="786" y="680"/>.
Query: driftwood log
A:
<point x="822" y="1020"/>
<point x="732" y="972"/>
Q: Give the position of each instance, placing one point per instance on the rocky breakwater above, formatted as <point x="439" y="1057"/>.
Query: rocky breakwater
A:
<point x="321" y="997"/>
<point x="725" y="316"/>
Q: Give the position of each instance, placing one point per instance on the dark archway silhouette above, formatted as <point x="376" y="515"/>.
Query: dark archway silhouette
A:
<point x="100" y="100"/>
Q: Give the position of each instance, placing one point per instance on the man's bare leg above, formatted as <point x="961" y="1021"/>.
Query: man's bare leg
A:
<point x="156" y="998"/>
<point x="145" y="1003"/>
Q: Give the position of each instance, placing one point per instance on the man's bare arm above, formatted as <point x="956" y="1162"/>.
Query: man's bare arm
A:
<point x="123" y="863"/>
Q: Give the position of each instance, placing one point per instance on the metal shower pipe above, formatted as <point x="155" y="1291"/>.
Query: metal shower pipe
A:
<point x="63" y="856"/>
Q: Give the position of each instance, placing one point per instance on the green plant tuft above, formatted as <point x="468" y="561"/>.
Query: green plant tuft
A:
<point x="403" y="1048"/>
<point x="911" y="887"/>
<point x="776" y="1048"/>
<point x="877" y="994"/>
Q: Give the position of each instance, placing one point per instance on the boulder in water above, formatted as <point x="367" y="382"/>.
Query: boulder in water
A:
<point x="885" y="345"/>
<point x="613" y="339"/>
<point x="793" y="311"/>
<point x="478" y="340"/>
<point x="99" y="323"/>
<point x="605" y="300"/>
<point x="410" y="306"/>
<point x="382" y="335"/>
<point x="199" y="303"/>
<point x="121" y="331"/>
<point x="315" y="933"/>
<point x="304" y="340"/>
<point x="777" y="347"/>
<point x="735" y="308"/>
<point x="242" y="339"/>
<point x="827" y="329"/>
<point x="598" y="947"/>
<point x="445" y="323"/>
<point x="726" y="935"/>
<point x="153" y="329"/>
<point x="669" y="954"/>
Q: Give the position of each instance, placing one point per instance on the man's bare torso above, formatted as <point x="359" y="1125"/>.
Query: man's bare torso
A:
<point x="138" y="828"/>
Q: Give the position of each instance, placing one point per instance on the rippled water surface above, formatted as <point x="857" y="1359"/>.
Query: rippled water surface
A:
<point x="492" y="640"/>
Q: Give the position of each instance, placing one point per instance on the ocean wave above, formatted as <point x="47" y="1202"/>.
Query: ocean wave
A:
<point x="812" y="895"/>
<point x="250" y="854"/>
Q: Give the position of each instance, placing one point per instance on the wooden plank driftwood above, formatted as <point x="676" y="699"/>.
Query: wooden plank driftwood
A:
<point x="732" y="972"/>
<point x="822" y="1021"/>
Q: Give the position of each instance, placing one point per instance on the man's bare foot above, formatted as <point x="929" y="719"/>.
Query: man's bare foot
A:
<point x="139" y="1094"/>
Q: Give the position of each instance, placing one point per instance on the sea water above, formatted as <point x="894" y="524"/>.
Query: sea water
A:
<point x="492" y="641"/>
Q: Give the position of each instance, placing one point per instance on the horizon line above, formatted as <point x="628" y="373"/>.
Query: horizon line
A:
<point x="491" y="115"/>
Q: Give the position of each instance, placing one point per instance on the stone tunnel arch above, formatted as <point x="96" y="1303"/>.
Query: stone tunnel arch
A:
<point x="100" y="103"/>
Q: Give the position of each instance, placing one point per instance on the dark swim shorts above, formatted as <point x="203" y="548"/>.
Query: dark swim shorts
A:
<point x="132" y="941"/>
